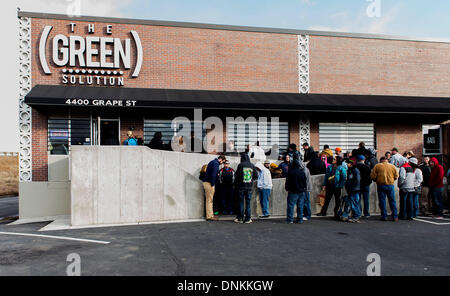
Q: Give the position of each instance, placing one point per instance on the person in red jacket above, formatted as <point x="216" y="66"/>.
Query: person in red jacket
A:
<point x="437" y="187"/>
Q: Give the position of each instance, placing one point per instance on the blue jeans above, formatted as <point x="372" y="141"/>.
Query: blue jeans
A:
<point x="389" y="192"/>
<point x="245" y="197"/>
<point x="416" y="205"/>
<point x="295" y="199"/>
<point x="307" y="207"/>
<point x="264" y="195"/>
<point x="438" y="201"/>
<point x="351" y="202"/>
<point x="406" y="205"/>
<point x="364" y="195"/>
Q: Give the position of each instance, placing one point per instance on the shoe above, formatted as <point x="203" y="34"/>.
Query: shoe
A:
<point x="212" y="219"/>
<point x="248" y="221"/>
<point x="383" y="219"/>
<point x="366" y="217"/>
<point x="320" y="214"/>
<point x="354" y="220"/>
<point x="238" y="220"/>
<point x="395" y="220"/>
<point x="305" y="219"/>
<point x="344" y="219"/>
<point x="289" y="222"/>
<point x="264" y="216"/>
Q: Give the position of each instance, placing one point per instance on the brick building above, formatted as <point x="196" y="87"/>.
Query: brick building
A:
<point x="84" y="79"/>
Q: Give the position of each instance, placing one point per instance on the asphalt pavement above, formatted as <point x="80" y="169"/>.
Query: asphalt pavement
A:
<point x="321" y="246"/>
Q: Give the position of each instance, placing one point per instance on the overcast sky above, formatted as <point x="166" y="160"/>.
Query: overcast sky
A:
<point x="415" y="18"/>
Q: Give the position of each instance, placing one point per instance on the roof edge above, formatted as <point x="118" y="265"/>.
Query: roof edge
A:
<point x="226" y="27"/>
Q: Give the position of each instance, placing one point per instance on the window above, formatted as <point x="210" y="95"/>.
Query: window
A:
<point x="346" y="135"/>
<point x="243" y="134"/>
<point x="432" y="140"/>
<point x="65" y="132"/>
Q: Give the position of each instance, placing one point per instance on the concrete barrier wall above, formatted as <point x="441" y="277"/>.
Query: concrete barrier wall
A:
<point x="113" y="185"/>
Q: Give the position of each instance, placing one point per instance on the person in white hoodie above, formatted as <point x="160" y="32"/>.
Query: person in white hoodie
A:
<point x="256" y="152"/>
<point x="418" y="179"/>
<point x="264" y="187"/>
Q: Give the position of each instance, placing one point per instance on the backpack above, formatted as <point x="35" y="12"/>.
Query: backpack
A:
<point x="203" y="172"/>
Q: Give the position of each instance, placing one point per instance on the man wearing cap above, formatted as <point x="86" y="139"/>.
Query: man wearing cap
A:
<point x="338" y="152"/>
<point x="396" y="158"/>
<point x="385" y="174"/>
<point x="364" y="193"/>
<point x="264" y="187"/>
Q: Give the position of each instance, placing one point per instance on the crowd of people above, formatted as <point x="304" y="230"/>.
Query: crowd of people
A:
<point x="420" y="186"/>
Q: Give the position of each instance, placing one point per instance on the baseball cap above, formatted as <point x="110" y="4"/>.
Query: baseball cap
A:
<point x="338" y="149"/>
<point x="361" y="157"/>
<point x="267" y="161"/>
<point x="413" y="160"/>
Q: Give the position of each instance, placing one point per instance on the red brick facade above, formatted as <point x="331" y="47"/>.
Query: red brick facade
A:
<point x="212" y="59"/>
<point x="379" y="67"/>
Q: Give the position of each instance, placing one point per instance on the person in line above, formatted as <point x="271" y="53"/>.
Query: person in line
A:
<point x="385" y="174"/>
<point x="327" y="151"/>
<point x="410" y="154"/>
<point x="436" y="183"/>
<point x="338" y="152"/>
<point x="226" y="181"/>
<point x="425" y="196"/>
<point x="351" y="201"/>
<point x="257" y="152"/>
<point x="292" y="152"/>
<point x="316" y="166"/>
<point x="309" y="151"/>
<point x="264" y="187"/>
<point x="275" y="171"/>
<point x="371" y="159"/>
<point x="326" y="160"/>
<point x="298" y="181"/>
<point x="418" y="178"/>
<point x="246" y="174"/>
<point x="334" y="181"/>
<point x="388" y="156"/>
<point x="131" y="140"/>
<point x="364" y="193"/>
<point x="448" y="191"/>
<point x="397" y="159"/>
<point x="209" y="183"/>
<point x="406" y="190"/>
<point x="362" y="150"/>
<point x="284" y="166"/>
<point x="157" y="142"/>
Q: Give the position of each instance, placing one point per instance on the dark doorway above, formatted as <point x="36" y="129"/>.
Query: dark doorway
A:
<point x="109" y="132"/>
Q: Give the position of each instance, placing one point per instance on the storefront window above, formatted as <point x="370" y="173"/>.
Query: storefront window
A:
<point x="65" y="132"/>
<point x="432" y="140"/>
<point x="346" y="135"/>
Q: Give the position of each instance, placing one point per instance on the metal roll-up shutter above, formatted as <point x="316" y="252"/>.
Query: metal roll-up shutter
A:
<point x="346" y="135"/>
<point x="152" y="126"/>
<point x="243" y="134"/>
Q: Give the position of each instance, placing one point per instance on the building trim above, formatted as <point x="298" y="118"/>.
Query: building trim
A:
<point x="25" y="128"/>
<point x="227" y="27"/>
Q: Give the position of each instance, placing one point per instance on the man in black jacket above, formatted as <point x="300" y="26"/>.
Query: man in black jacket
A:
<point x="309" y="151"/>
<point x="298" y="182"/>
<point x="246" y="174"/>
<point x="371" y="160"/>
<point x="351" y="201"/>
<point x="316" y="166"/>
<point x="364" y="193"/>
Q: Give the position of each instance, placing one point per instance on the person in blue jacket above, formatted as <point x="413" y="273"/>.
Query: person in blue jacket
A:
<point x="351" y="201"/>
<point x="335" y="178"/>
<point x="209" y="182"/>
<point x="131" y="140"/>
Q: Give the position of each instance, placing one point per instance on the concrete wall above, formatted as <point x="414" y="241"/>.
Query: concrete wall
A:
<point x="43" y="199"/>
<point x="113" y="185"/>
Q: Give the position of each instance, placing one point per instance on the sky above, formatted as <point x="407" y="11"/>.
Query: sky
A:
<point x="413" y="18"/>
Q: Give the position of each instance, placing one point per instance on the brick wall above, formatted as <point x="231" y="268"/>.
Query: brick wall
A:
<point x="404" y="136"/>
<point x="382" y="67"/>
<point x="39" y="146"/>
<point x="186" y="58"/>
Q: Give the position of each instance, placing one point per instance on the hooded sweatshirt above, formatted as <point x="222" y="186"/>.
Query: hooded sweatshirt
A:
<point x="406" y="178"/>
<point x="298" y="179"/>
<point x="316" y="166"/>
<point x="264" y="177"/>
<point x="437" y="174"/>
<point x="246" y="173"/>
